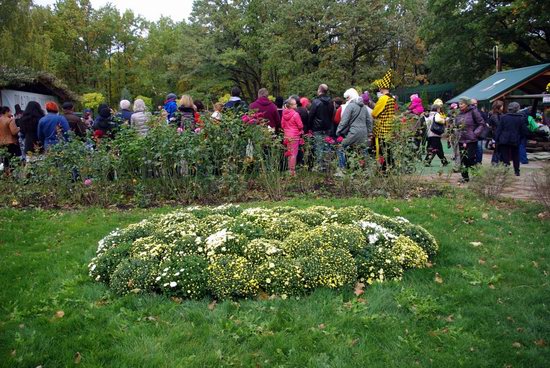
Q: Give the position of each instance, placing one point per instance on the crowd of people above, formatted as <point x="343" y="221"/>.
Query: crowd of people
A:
<point x="352" y="121"/>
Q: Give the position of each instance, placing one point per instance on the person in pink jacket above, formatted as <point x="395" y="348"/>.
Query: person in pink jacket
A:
<point x="416" y="105"/>
<point x="293" y="130"/>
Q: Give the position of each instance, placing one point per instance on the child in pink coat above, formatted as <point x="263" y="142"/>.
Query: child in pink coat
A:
<point x="293" y="130"/>
<point x="416" y="105"/>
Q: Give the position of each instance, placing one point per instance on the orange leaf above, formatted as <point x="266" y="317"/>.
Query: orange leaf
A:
<point x="59" y="314"/>
<point x="540" y="342"/>
<point x="438" y="278"/>
<point x="77" y="358"/>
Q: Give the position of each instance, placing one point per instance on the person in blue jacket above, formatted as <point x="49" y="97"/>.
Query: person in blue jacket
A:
<point x="52" y="126"/>
<point x="170" y="105"/>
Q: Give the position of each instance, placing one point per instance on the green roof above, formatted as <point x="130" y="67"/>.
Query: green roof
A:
<point x="501" y="83"/>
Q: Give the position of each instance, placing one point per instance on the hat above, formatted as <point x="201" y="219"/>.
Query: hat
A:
<point x="125" y="104"/>
<point x="171" y="96"/>
<point x="351" y="94"/>
<point x="465" y="100"/>
<point x="67" y="106"/>
<point x="438" y="102"/>
<point x="385" y="82"/>
<point x="105" y="113"/>
<point x="513" y="107"/>
<point x="414" y="96"/>
<point x="51" y="106"/>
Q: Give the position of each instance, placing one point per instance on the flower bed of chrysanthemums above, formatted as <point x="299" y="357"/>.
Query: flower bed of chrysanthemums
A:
<point x="232" y="252"/>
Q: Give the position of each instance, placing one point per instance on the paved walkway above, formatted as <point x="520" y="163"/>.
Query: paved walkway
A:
<point x="521" y="188"/>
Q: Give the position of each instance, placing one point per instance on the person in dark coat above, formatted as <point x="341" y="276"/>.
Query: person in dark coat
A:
<point x="77" y="125"/>
<point x="470" y="123"/>
<point x="236" y="103"/>
<point x="510" y="131"/>
<point x="29" y="125"/>
<point x="319" y="121"/>
<point x="267" y="109"/>
<point x="104" y="124"/>
<point x="497" y="110"/>
<point x="125" y="113"/>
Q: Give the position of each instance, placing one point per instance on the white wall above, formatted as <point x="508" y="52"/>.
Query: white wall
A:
<point x="12" y="97"/>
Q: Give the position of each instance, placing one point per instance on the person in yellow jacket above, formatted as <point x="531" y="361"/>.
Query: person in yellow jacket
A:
<point x="384" y="115"/>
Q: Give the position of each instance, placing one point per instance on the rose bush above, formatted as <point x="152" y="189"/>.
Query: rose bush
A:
<point x="230" y="252"/>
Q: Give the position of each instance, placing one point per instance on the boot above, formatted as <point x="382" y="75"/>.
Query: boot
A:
<point x="444" y="162"/>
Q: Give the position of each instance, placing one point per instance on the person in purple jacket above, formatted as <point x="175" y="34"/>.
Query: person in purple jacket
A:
<point x="267" y="108"/>
<point x="470" y="124"/>
<point x="52" y="126"/>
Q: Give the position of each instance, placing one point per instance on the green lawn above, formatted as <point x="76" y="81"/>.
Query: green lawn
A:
<point x="489" y="308"/>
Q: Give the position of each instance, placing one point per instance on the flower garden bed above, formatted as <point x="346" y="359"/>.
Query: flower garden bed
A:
<point x="231" y="252"/>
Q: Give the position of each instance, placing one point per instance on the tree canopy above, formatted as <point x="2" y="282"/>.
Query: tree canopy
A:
<point x="288" y="46"/>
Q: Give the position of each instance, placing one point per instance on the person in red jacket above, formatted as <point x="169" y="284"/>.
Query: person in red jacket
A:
<point x="293" y="129"/>
<point x="267" y="109"/>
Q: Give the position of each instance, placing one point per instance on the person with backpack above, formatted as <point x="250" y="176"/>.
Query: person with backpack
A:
<point x="470" y="125"/>
<point x="319" y="122"/>
<point x="435" y="124"/>
<point x="51" y="126"/>
<point x="355" y="126"/>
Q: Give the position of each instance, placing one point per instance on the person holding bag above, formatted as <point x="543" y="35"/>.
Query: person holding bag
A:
<point x="355" y="126"/>
<point x="8" y="137"/>
<point x="436" y="128"/>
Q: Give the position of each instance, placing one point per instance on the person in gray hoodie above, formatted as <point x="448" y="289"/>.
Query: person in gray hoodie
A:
<point x="355" y="126"/>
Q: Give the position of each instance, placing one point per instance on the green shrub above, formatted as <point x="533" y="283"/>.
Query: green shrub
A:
<point x="227" y="252"/>
<point x="134" y="275"/>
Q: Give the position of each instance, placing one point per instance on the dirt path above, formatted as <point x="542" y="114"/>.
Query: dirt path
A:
<point x="522" y="186"/>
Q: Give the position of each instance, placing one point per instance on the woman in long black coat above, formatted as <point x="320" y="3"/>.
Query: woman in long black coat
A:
<point x="29" y="125"/>
<point x="511" y="129"/>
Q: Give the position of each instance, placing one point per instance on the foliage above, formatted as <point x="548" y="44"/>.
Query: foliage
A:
<point x="461" y="36"/>
<point x="542" y="186"/>
<point x="183" y="258"/>
<point x="417" y="321"/>
<point x="147" y="100"/>
<point x="92" y="100"/>
<point x="490" y="181"/>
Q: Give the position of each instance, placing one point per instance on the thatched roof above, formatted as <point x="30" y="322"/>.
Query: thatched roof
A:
<point x="29" y="80"/>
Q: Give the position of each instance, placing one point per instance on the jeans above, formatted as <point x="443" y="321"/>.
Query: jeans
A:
<point x="321" y="148"/>
<point x="523" y="151"/>
<point x="479" y="151"/>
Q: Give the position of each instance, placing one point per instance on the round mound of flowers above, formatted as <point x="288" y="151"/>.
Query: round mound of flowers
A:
<point x="233" y="252"/>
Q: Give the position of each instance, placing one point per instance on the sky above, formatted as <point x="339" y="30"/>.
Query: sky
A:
<point x="152" y="10"/>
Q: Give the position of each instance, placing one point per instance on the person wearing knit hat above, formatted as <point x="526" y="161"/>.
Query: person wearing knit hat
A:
<point x="471" y="125"/>
<point x="170" y="105"/>
<point x="305" y="102"/>
<point x="104" y="123"/>
<point x="49" y="124"/>
<point x="125" y="113"/>
<point x="384" y="114"/>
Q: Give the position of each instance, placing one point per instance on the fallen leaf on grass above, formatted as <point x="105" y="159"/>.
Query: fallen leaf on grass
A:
<point x="354" y="342"/>
<point x="438" y="278"/>
<point x="13" y="353"/>
<point x="359" y="288"/>
<point x="77" y="358"/>
<point x="212" y="305"/>
<point x="395" y="209"/>
<point x="177" y="300"/>
<point x="520" y="329"/>
<point x="476" y="244"/>
<point x="322" y="326"/>
<point x="450" y="318"/>
<point x="491" y="286"/>
<point x="540" y="342"/>
<point x="517" y="345"/>
<point x="59" y="314"/>
<point x="535" y="264"/>
<point x="429" y="264"/>
<point x="263" y="296"/>
<point x="485" y="215"/>
<point x="481" y="261"/>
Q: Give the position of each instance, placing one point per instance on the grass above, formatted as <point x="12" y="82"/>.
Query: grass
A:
<point x="490" y="307"/>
